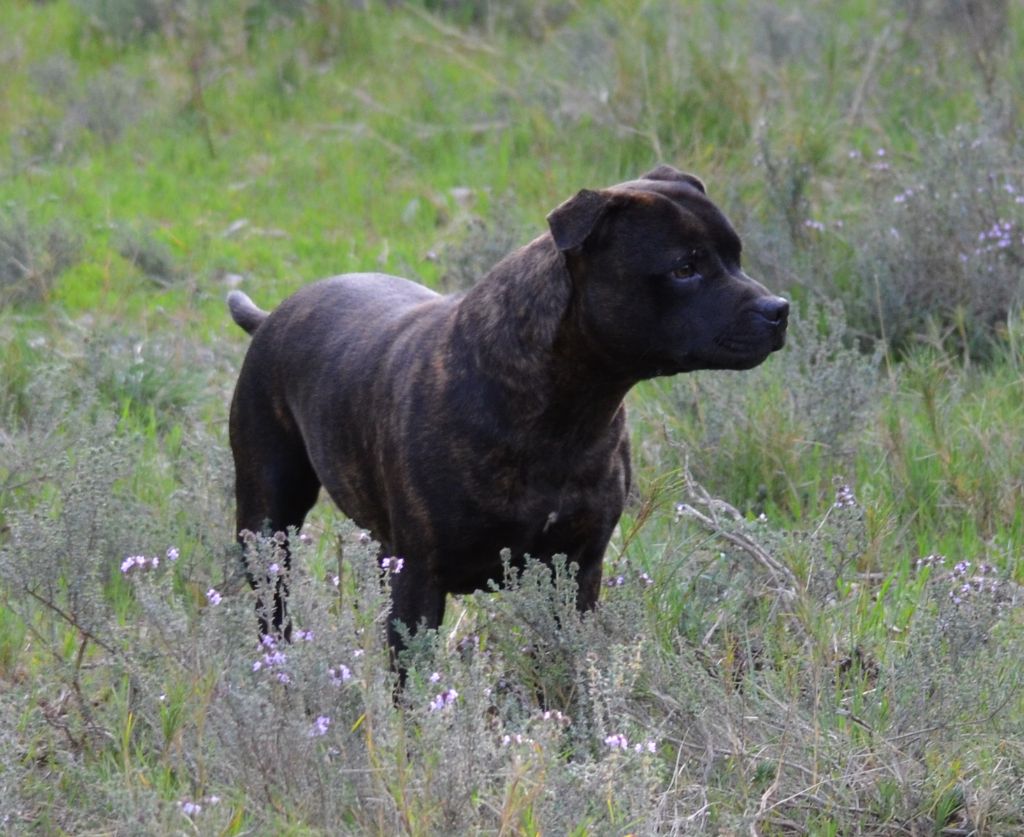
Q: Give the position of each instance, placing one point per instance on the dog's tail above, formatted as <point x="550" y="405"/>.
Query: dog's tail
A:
<point x="245" y="312"/>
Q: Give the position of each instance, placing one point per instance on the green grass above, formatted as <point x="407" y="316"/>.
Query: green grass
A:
<point x="799" y="662"/>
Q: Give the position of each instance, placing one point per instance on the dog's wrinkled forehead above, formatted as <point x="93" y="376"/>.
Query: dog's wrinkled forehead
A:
<point x="665" y="180"/>
<point x="573" y="221"/>
<point x="688" y="192"/>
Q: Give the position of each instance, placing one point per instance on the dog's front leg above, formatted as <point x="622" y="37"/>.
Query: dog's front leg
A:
<point x="417" y="602"/>
<point x="588" y="579"/>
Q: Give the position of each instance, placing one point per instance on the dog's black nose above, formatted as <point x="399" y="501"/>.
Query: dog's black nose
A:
<point x="774" y="309"/>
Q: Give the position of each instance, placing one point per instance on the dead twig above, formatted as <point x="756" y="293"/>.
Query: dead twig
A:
<point x="729" y="530"/>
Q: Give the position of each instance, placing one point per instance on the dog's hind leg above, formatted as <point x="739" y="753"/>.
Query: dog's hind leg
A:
<point x="275" y="487"/>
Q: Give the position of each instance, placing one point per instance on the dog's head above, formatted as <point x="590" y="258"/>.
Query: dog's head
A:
<point x="657" y="282"/>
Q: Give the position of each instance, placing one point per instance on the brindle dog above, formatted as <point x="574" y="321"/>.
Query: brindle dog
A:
<point x="453" y="427"/>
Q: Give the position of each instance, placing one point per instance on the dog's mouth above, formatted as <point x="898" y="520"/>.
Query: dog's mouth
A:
<point x="735" y="352"/>
<point x="741" y="342"/>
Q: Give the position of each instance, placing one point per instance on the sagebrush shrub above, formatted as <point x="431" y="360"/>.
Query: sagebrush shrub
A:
<point x="127" y="22"/>
<point x="32" y="256"/>
<point x="100" y="106"/>
<point x="517" y="17"/>
<point x="941" y="256"/>
<point x="151" y="256"/>
<point x="109" y="103"/>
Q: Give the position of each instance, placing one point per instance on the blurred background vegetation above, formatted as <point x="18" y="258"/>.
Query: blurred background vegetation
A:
<point x="831" y="640"/>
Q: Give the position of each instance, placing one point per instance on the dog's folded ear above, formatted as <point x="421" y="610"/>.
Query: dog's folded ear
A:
<point x="572" y="221"/>
<point x="664" y="172"/>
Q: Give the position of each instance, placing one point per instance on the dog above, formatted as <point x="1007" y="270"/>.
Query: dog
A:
<point x="454" y="427"/>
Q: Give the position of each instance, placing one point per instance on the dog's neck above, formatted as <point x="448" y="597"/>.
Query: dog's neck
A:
<point x="519" y="325"/>
<point x="517" y="307"/>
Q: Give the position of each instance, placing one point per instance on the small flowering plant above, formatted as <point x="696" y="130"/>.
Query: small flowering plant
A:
<point x="273" y="660"/>
<point x="618" y="741"/>
<point x="136" y="564"/>
<point x="392" y="564"/>
<point x="546" y="726"/>
<point x="193" y="808"/>
<point x="266" y="557"/>
<point x="967" y="580"/>
<point x="443" y="700"/>
<point x="845" y="498"/>
<point x="339" y="675"/>
<point x="622" y="574"/>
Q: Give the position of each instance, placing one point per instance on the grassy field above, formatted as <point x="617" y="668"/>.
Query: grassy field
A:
<point x="813" y="618"/>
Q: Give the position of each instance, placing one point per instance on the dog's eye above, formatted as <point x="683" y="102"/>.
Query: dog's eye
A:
<point x="687" y="270"/>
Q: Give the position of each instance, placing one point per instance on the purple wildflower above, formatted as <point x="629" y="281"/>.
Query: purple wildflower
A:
<point x="515" y="738"/>
<point x="443" y="700"/>
<point x="275" y="658"/>
<point x="131" y="562"/>
<point x="394" y="564"/>
<point x="320" y="727"/>
<point x="845" y="498"/>
<point x="213" y="597"/>
<point x="933" y="560"/>
<point x="617" y="741"/>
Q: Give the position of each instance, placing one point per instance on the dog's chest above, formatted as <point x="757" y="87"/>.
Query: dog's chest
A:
<point x="538" y="517"/>
<point x="558" y="520"/>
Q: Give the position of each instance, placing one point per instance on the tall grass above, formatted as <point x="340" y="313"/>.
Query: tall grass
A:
<point x="811" y="615"/>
